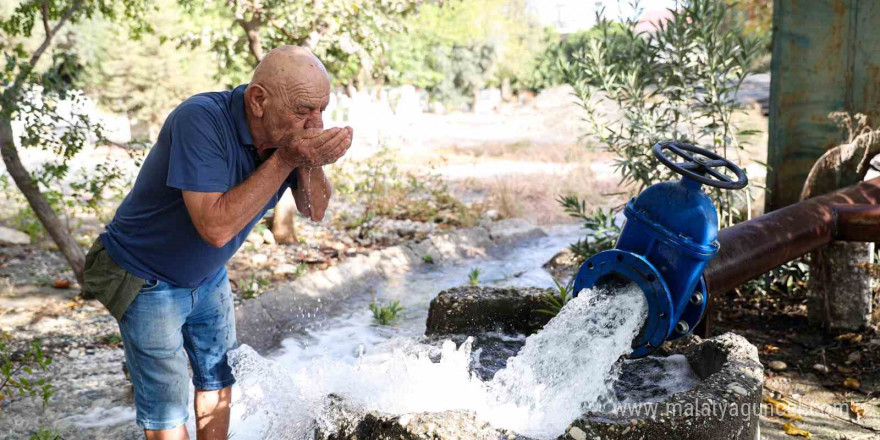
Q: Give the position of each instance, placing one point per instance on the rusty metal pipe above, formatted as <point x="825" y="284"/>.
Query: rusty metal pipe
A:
<point x="858" y="222"/>
<point x="754" y="247"/>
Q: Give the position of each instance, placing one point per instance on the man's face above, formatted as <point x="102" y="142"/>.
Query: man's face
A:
<point x="296" y="108"/>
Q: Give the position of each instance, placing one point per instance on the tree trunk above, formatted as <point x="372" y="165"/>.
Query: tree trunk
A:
<point x="252" y="32"/>
<point x="25" y="182"/>
<point x="283" y="223"/>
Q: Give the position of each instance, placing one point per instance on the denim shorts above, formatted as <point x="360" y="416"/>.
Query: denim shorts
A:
<point x="163" y="327"/>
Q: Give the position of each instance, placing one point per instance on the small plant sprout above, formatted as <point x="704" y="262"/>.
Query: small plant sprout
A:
<point x="557" y="300"/>
<point x="428" y="259"/>
<point x="254" y="287"/>
<point x="474" y="276"/>
<point x="45" y="434"/>
<point x="385" y="314"/>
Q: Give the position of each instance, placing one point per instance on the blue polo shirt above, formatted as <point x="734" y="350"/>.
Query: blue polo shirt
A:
<point x="204" y="146"/>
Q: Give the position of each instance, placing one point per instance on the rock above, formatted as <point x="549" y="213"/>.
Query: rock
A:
<point x="284" y="269"/>
<point x="254" y="238"/>
<point x="564" y="265"/>
<point x="577" y="433"/>
<point x="730" y="374"/>
<point x="820" y="368"/>
<point x="350" y="252"/>
<point x="777" y="365"/>
<point x="853" y="357"/>
<point x="75" y="353"/>
<point x="562" y="259"/>
<point x="492" y="214"/>
<point x="268" y="237"/>
<point x="468" y="310"/>
<point x="738" y="389"/>
<point x="514" y="229"/>
<point x="259" y="258"/>
<point x="353" y="423"/>
<point x="12" y="237"/>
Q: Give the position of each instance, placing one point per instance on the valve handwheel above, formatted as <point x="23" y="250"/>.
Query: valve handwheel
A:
<point x="699" y="165"/>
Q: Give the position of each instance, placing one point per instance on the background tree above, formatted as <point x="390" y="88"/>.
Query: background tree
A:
<point x="349" y="36"/>
<point x="37" y="76"/>
<point x="146" y="78"/>
<point x="454" y="48"/>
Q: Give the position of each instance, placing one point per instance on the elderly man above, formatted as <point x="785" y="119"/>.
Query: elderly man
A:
<point x="221" y="161"/>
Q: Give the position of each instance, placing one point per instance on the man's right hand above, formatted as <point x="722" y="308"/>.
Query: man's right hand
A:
<point x="316" y="147"/>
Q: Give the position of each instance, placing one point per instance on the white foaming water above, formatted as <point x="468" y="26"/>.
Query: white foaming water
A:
<point x="561" y="371"/>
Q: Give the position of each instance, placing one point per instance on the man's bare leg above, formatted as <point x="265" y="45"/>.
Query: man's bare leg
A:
<point x="212" y="413"/>
<point x="178" y="433"/>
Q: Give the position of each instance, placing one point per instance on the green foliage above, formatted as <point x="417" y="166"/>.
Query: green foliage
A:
<point x="555" y="301"/>
<point x="145" y="78"/>
<point x="677" y="83"/>
<point x="17" y="371"/>
<point x="428" y="259"/>
<point x="474" y="276"/>
<point x="548" y="68"/>
<point x="40" y="87"/>
<point x="349" y="36"/>
<point x="601" y="222"/>
<point x="45" y="434"/>
<point x="385" y="314"/>
<point x="788" y="280"/>
<point x="453" y="48"/>
<point x="253" y="287"/>
<point x="466" y="70"/>
<point x="384" y="191"/>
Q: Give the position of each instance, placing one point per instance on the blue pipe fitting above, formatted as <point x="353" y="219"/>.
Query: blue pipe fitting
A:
<point x="669" y="237"/>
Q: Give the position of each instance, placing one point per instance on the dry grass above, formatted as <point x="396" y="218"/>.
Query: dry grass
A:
<point x="524" y="150"/>
<point x="533" y="196"/>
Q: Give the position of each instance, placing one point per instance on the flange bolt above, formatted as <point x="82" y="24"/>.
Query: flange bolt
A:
<point x="697" y="298"/>
<point x="682" y="327"/>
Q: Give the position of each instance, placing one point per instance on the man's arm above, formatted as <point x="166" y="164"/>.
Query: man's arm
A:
<point x="312" y="193"/>
<point x="218" y="217"/>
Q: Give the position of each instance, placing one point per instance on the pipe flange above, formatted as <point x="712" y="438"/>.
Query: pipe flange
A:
<point x="619" y="267"/>
<point x="694" y="310"/>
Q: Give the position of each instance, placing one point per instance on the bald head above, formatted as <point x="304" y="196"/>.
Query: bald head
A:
<point x="289" y="90"/>
<point x="289" y="64"/>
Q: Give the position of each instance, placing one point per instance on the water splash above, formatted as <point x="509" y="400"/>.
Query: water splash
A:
<point x="562" y="370"/>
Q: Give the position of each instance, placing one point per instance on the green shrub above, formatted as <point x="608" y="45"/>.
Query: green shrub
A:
<point x="385" y="314"/>
<point x="17" y="370"/>
<point x="676" y="83"/>
<point x="428" y="259"/>
<point x="601" y="222"/>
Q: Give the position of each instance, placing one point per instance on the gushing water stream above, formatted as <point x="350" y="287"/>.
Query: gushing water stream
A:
<point x="561" y="371"/>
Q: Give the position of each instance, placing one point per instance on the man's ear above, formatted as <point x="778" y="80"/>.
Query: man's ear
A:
<point x="255" y="97"/>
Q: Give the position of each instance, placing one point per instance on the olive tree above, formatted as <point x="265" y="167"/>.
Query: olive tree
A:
<point x="38" y="74"/>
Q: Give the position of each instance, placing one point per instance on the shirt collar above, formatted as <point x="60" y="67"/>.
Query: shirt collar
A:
<point x="244" y="134"/>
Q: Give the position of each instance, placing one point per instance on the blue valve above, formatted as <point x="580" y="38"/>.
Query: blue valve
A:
<point x="669" y="237"/>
